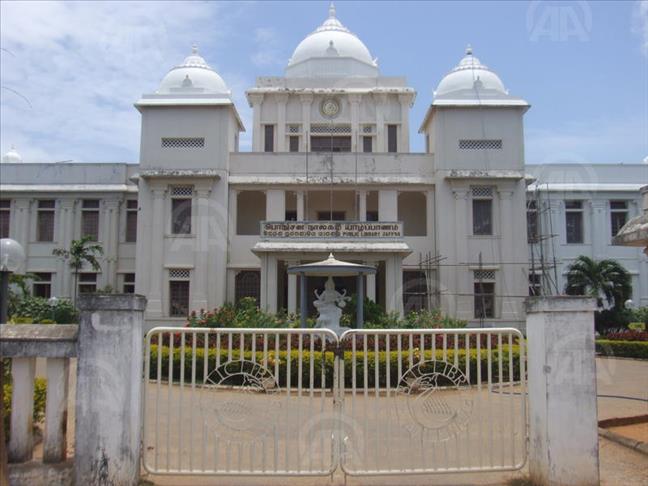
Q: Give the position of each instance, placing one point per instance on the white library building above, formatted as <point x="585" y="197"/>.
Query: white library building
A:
<point x="466" y="226"/>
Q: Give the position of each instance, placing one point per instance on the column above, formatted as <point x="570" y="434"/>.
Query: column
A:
<point x="110" y="238"/>
<point x="199" y="285"/>
<point x="66" y="212"/>
<point x="281" y="100"/>
<point x="154" y="308"/>
<point x="507" y="240"/>
<point x="275" y="205"/>
<point x="381" y="100"/>
<point x="563" y="427"/>
<point x="306" y="101"/>
<point x="354" y="100"/>
<point x="108" y="391"/>
<point x="394" y="284"/>
<point x="270" y="283"/>
<point x="458" y="279"/>
<point x="371" y="283"/>
<point x="388" y="205"/>
<point x="600" y="235"/>
<point x="300" y="206"/>
<point x="292" y="288"/>
<point x="362" y="205"/>
<point x="256" y="100"/>
<point x="303" y="303"/>
<point x="405" y="100"/>
<point x="431" y="217"/>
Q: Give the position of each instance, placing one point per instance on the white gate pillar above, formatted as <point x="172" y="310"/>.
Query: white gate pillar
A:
<point x="108" y="393"/>
<point x="563" y="425"/>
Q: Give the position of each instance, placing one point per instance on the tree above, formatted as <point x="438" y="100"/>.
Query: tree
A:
<point x="82" y="251"/>
<point x="608" y="282"/>
<point x="605" y="280"/>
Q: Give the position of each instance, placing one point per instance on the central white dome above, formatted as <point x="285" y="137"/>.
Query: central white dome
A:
<point x="331" y="50"/>
<point x="193" y="76"/>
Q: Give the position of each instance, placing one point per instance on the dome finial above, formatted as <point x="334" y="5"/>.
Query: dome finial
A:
<point x="469" y="50"/>
<point x="332" y="13"/>
<point x="194" y="48"/>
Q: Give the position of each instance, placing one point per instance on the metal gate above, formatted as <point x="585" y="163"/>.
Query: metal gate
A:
<point x="307" y="402"/>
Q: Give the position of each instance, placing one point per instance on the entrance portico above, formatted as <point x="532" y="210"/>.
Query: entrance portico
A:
<point x="384" y="288"/>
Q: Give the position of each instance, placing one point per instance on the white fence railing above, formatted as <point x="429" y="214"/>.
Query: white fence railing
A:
<point x="305" y="402"/>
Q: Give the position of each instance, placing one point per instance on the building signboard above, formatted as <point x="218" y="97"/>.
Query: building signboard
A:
<point x="331" y="229"/>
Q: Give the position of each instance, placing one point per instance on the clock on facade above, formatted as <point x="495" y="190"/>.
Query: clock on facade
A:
<point x="330" y="107"/>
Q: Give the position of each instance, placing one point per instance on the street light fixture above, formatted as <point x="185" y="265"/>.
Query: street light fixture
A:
<point x="12" y="258"/>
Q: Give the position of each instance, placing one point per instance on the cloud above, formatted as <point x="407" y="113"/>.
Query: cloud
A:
<point x="81" y="65"/>
<point x="640" y="23"/>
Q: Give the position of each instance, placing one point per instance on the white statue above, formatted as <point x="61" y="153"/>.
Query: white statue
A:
<point x="329" y="304"/>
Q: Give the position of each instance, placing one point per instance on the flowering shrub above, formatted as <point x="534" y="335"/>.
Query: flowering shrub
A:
<point x="627" y="336"/>
<point x="245" y="314"/>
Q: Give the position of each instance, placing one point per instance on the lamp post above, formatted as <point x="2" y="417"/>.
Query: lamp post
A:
<point x="12" y="257"/>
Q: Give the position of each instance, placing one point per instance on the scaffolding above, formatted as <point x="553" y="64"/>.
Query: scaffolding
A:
<point x="543" y="269"/>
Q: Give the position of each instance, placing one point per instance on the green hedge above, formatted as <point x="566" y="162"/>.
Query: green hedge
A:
<point x="326" y="360"/>
<point x="622" y="349"/>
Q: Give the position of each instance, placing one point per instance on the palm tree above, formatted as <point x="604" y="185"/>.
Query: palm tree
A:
<point x="81" y="251"/>
<point x="605" y="280"/>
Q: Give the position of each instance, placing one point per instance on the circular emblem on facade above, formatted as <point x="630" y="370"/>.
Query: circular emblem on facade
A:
<point x="330" y="107"/>
<point x="235" y="400"/>
<point x="437" y="404"/>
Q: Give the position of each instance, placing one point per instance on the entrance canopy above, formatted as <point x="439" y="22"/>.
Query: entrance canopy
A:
<point x="332" y="268"/>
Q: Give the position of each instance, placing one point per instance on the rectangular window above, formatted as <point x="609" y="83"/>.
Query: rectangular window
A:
<point x="415" y="291"/>
<point x="129" y="283"/>
<point x="331" y="144"/>
<point x="618" y="215"/>
<point x="291" y="215"/>
<point x="181" y="201"/>
<point x="131" y="221"/>
<point x="484" y="292"/>
<point x="480" y="144"/>
<point x="268" y="141"/>
<point x="179" y="292"/>
<point x="183" y="143"/>
<point x="330" y="216"/>
<point x="87" y="282"/>
<point x="45" y="220"/>
<point x="532" y="222"/>
<point x="5" y="217"/>
<point x="367" y="144"/>
<point x="574" y="221"/>
<point x="482" y="217"/>
<point x="42" y="285"/>
<point x="293" y="143"/>
<point x="90" y="219"/>
<point x="392" y="143"/>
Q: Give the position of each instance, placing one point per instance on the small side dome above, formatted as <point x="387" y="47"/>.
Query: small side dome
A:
<point x="193" y="76"/>
<point x="12" y="157"/>
<point x="470" y="74"/>
<point x="313" y="56"/>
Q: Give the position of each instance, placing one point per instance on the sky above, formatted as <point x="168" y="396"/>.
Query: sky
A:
<point x="71" y="71"/>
